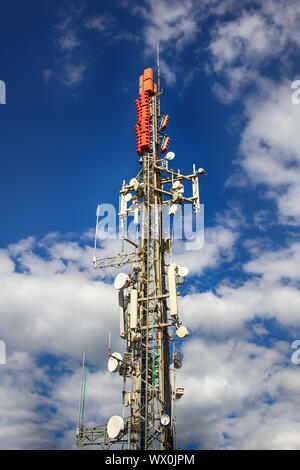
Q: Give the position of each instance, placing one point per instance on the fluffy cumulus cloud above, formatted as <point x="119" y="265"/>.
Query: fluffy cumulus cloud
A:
<point x="45" y="298"/>
<point x="168" y="22"/>
<point x="40" y="401"/>
<point x="240" y="381"/>
<point x="238" y="396"/>
<point x="242" y="47"/>
<point x="53" y="306"/>
<point x="272" y="286"/>
<point x="218" y="246"/>
<point x="243" y="52"/>
<point x="270" y="147"/>
<point x="173" y="25"/>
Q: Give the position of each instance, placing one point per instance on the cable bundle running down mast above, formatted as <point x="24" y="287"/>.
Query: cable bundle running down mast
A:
<point x="149" y="317"/>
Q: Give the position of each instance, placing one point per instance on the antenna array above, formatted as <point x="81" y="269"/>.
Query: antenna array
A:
<point x="149" y="318"/>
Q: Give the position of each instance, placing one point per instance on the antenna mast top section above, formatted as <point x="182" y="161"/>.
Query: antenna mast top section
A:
<point x="158" y="68"/>
<point x="150" y="124"/>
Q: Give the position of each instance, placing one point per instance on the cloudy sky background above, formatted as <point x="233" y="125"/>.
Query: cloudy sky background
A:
<point x="67" y="142"/>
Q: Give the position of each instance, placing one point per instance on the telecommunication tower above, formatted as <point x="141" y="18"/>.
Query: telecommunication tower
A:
<point x="149" y="318"/>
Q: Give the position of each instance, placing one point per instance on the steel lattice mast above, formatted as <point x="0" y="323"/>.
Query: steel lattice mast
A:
<point x="148" y="295"/>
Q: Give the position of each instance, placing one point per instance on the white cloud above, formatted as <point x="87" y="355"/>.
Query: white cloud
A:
<point x="247" y="39"/>
<point x="168" y="22"/>
<point x="101" y="23"/>
<point x="167" y="72"/>
<point x="270" y="147"/>
<point x="71" y="63"/>
<point x="218" y="248"/>
<point x="21" y="246"/>
<point x="55" y="305"/>
<point x="68" y="40"/>
<point x="56" y="302"/>
<point x="172" y="24"/>
<point x="241" y="50"/>
<point x="72" y="74"/>
<point x="268" y="427"/>
<point x="22" y="427"/>
<point x="6" y="264"/>
<point x="278" y="265"/>
<point x="234" y="396"/>
<point x="70" y="69"/>
<point x="271" y="292"/>
<point x="39" y="403"/>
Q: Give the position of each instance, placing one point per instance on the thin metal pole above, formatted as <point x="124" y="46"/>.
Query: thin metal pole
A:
<point x="174" y="397"/>
<point x="81" y="390"/>
<point x="158" y="68"/>
<point x="83" y="399"/>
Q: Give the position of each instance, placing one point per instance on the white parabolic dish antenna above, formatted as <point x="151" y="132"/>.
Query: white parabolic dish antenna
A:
<point x="128" y="197"/>
<point x="182" y="332"/>
<point x="176" y="185"/>
<point x="170" y="156"/>
<point x="183" y="271"/>
<point x="113" y="362"/>
<point x="132" y="181"/>
<point x="173" y="209"/>
<point x="115" y="426"/>
<point x="121" y="281"/>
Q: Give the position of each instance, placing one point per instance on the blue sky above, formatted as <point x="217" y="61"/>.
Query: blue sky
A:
<point x="67" y="142"/>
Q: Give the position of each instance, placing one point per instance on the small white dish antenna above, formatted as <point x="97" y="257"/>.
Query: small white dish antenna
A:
<point x="177" y="195"/>
<point x="183" y="271"/>
<point x="138" y="186"/>
<point x="176" y="185"/>
<point x="115" y="426"/>
<point x="170" y="156"/>
<point x="201" y="171"/>
<point x="173" y="209"/>
<point x="114" y="362"/>
<point x="182" y="332"/>
<point x="132" y="181"/>
<point x="121" y="281"/>
<point x="165" y="420"/>
<point x="128" y="197"/>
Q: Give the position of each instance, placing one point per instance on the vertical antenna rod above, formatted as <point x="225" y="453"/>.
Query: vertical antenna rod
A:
<point x="158" y="68"/>
<point x="82" y="391"/>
